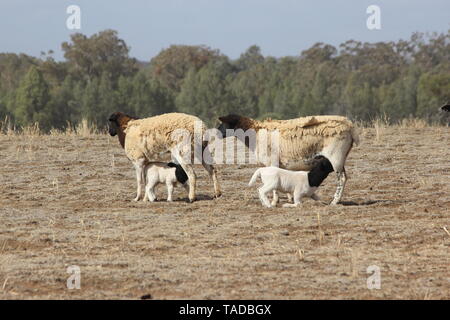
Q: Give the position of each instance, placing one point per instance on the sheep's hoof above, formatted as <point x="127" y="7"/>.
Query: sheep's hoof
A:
<point x="191" y="200"/>
<point x="218" y="195"/>
<point x="334" y="203"/>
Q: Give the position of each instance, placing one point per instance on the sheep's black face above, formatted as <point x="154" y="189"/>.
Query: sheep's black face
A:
<point x="112" y="121"/>
<point x="228" y="122"/>
<point x="112" y="128"/>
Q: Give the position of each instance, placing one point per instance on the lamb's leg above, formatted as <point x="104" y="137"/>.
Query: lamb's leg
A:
<point x="341" y="180"/>
<point x="140" y="177"/>
<point x="275" y="198"/>
<point x="289" y="198"/>
<point x="213" y="174"/>
<point x="297" y="202"/>
<point x="151" y="194"/>
<point x="169" y="192"/>
<point x="263" y="191"/>
<point x="315" y="197"/>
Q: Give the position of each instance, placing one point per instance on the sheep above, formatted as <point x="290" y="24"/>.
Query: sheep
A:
<point x="147" y="140"/>
<point x="300" y="140"/>
<point x="300" y="183"/>
<point x="160" y="172"/>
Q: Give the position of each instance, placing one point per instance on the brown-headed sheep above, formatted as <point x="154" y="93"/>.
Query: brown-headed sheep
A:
<point x="146" y="140"/>
<point x="300" y="140"/>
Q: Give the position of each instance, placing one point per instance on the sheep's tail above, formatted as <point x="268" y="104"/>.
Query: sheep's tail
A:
<point x="255" y="176"/>
<point x="355" y="136"/>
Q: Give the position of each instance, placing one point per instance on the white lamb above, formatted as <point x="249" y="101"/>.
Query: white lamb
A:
<point x="169" y="173"/>
<point x="299" y="183"/>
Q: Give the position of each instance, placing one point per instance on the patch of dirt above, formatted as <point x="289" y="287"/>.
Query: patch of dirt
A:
<point x="67" y="201"/>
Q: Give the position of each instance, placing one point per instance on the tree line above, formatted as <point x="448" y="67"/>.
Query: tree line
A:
<point x="407" y="78"/>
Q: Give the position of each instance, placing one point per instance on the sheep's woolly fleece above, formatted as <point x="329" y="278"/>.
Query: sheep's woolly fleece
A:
<point x="147" y="138"/>
<point x="325" y="126"/>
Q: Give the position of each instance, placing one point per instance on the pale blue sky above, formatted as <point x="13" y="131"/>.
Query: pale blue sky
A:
<point x="279" y="27"/>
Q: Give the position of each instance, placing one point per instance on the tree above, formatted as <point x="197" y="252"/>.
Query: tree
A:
<point x="206" y="93"/>
<point x="171" y="65"/>
<point x="250" y="58"/>
<point x="433" y="91"/>
<point x="103" y="53"/>
<point x="32" y="101"/>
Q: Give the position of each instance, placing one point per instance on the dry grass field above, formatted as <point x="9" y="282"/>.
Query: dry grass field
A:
<point x="66" y="200"/>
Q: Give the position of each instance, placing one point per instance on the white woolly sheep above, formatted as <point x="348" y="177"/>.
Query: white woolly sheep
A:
<point x="170" y="174"/>
<point x="146" y="140"/>
<point x="300" y="183"/>
<point x="300" y="140"/>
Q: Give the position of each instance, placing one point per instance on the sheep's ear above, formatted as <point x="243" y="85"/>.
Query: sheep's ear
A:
<point x="231" y="119"/>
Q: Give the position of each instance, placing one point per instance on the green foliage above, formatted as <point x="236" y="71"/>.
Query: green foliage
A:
<point x="206" y="93"/>
<point x="361" y="80"/>
<point x="32" y="100"/>
<point x="101" y="54"/>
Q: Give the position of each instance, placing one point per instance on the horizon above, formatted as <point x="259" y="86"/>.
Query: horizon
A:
<point x="230" y="27"/>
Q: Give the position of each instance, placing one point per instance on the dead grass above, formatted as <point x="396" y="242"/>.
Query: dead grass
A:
<point x="65" y="199"/>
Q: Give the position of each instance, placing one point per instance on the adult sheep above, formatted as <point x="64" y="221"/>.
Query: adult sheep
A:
<point x="300" y="140"/>
<point x="146" y="140"/>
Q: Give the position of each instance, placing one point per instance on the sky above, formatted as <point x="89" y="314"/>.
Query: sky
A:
<point x="278" y="27"/>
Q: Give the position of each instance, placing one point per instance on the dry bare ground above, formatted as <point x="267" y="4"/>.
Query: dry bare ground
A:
<point x="66" y="200"/>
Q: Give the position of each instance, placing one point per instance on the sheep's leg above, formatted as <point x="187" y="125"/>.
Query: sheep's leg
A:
<point x="275" y="198"/>
<point x="186" y="187"/>
<point x="341" y="180"/>
<point x="169" y="192"/>
<point x="192" y="179"/>
<point x="140" y="177"/>
<point x="213" y="174"/>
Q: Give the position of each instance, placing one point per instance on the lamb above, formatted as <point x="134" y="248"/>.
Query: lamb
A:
<point x="159" y="172"/>
<point x="300" y="183"/>
<point x="300" y="140"/>
<point x="446" y="107"/>
<point x="147" y="140"/>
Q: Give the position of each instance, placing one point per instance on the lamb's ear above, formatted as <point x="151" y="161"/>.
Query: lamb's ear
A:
<point x="172" y="165"/>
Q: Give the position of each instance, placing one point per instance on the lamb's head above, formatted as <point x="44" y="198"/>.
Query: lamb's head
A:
<point x="117" y="121"/>
<point x="231" y="121"/>
<point x="446" y="107"/>
<point x="325" y="165"/>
